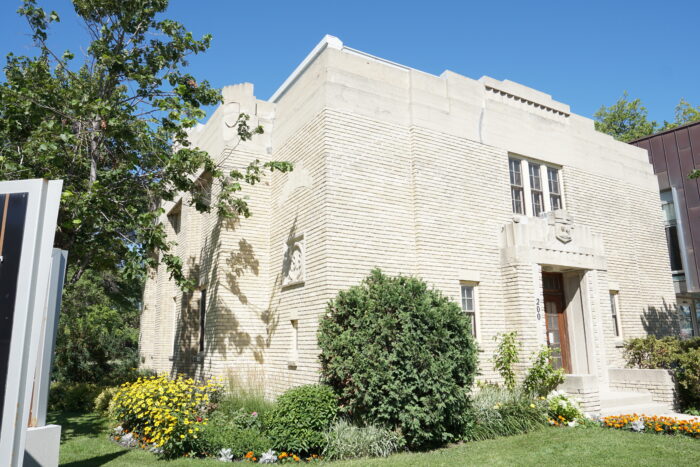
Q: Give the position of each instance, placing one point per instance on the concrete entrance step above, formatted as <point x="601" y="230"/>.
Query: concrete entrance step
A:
<point x="615" y="399"/>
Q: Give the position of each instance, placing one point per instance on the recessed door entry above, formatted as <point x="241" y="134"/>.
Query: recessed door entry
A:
<point x="557" y="332"/>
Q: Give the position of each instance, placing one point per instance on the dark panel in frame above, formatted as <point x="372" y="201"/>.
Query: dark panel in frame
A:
<point x="10" y="249"/>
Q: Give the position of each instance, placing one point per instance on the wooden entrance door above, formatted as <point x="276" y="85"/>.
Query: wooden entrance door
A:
<point x="557" y="331"/>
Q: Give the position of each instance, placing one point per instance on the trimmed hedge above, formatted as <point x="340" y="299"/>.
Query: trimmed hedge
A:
<point x="400" y="355"/>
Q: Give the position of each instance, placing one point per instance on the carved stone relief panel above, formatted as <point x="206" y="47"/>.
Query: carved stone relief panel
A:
<point x="293" y="265"/>
<point x="563" y="224"/>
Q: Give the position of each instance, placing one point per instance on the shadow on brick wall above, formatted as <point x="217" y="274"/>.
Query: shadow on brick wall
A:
<point x="661" y="321"/>
<point x="224" y="335"/>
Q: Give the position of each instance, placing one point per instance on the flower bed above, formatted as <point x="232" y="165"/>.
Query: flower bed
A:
<point x="162" y="414"/>
<point x="654" y="424"/>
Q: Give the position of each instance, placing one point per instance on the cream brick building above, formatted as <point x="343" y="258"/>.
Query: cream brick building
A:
<point x="435" y="176"/>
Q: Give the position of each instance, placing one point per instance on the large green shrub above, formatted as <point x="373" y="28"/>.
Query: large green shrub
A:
<point x="400" y="355"/>
<point x="682" y="356"/>
<point x="347" y="441"/>
<point x="688" y="377"/>
<point x="73" y="397"/>
<point x="300" y="418"/>
<point x="496" y="411"/>
<point x="104" y="399"/>
<point x="650" y="352"/>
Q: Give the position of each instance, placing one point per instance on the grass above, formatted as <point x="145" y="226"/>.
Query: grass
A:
<point x="85" y="443"/>
<point x="246" y="393"/>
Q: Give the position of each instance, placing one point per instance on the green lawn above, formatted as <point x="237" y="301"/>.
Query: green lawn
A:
<point x="85" y="443"/>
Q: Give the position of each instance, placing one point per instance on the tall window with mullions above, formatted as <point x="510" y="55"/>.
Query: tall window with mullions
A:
<point x="469" y="305"/>
<point x="536" y="189"/>
<point x="516" y="186"/>
<point x="554" y="188"/>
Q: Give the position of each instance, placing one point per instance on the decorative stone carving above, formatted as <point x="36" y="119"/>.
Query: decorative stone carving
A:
<point x="553" y="239"/>
<point x="563" y="224"/>
<point x="293" y="265"/>
<point x="232" y="111"/>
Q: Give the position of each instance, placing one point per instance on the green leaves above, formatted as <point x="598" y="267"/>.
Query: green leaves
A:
<point x="301" y="417"/>
<point x="626" y="120"/>
<point x="114" y="128"/>
<point x="506" y="356"/>
<point x="399" y="355"/>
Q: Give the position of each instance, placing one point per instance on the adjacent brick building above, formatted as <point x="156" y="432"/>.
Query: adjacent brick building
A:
<point x="491" y="191"/>
<point x="674" y="154"/>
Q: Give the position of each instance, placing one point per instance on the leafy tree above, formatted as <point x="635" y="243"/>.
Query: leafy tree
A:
<point x="626" y="120"/>
<point x="685" y="113"/>
<point x="114" y="128"/>
<point x="98" y="330"/>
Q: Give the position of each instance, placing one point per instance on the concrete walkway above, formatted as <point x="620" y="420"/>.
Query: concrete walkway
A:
<point x="623" y="403"/>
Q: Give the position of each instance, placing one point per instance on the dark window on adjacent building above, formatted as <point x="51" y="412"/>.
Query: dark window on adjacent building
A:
<point x="674" y="248"/>
<point x="202" y="317"/>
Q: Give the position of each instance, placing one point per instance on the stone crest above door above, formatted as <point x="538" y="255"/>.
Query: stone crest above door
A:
<point x="553" y="239"/>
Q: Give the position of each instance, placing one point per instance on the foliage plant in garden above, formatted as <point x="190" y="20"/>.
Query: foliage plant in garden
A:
<point x="541" y="378"/>
<point x="399" y="355"/>
<point x="347" y="441"/>
<point x="301" y="417"/>
<point x="506" y="356"/>
<point x="497" y="411"/>
<point x="165" y="415"/>
<point x="239" y="433"/>
<point x="562" y="410"/>
<point x="681" y="356"/>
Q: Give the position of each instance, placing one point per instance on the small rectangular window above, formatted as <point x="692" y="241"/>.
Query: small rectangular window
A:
<point x="536" y="189"/>
<point x="554" y="188"/>
<point x="202" y="317"/>
<point x="174" y="217"/>
<point x="469" y="305"/>
<point x="203" y="190"/>
<point x="516" y="186"/>
<point x="615" y="315"/>
<point x="294" y="344"/>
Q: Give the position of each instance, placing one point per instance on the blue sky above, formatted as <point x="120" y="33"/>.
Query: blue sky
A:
<point x="583" y="53"/>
